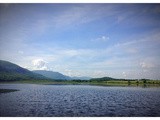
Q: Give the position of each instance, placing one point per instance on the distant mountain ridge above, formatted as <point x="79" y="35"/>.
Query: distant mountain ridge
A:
<point x="103" y="78"/>
<point x="81" y="78"/>
<point x="10" y="71"/>
<point x="52" y="75"/>
<point x="59" y="76"/>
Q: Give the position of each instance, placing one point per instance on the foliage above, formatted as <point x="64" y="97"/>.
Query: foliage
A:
<point x="7" y="90"/>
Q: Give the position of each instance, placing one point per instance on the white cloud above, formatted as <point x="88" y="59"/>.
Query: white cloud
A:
<point x="104" y="38"/>
<point x="150" y="63"/>
<point x="40" y="26"/>
<point x="71" y="52"/>
<point x="101" y="39"/>
<point x="73" y="16"/>
<point x="39" y="64"/>
<point x="82" y="14"/>
<point x="124" y="74"/>
<point x="20" y="52"/>
<point x="132" y="50"/>
<point x="68" y="72"/>
<point x="153" y="37"/>
<point x="120" y="19"/>
<point x="99" y="73"/>
<point x="145" y="65"/>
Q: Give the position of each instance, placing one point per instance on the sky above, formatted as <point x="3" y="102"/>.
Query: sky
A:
<point x="95" y="40"/>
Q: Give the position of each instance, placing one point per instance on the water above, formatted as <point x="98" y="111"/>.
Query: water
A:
<point x="79" y="100"/>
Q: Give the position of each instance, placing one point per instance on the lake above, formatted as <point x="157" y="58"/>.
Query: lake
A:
<point x="78" y="100"/>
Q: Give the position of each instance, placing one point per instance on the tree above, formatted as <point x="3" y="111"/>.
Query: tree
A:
<point x="144" y="81"/>
<point x="129" y="82"/>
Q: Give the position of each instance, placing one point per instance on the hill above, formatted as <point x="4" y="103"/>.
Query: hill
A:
<point x="102" y="79"/>
<point x="59" y="76"/>
<point x="12" y="72"/>
<point x="81" y="78"/>
<point x="52" y="75"/>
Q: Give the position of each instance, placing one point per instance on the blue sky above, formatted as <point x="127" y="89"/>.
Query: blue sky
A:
<point x="96" y="40"/>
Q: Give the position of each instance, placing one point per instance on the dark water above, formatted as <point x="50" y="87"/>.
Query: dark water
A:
<point x="79" y="100"/>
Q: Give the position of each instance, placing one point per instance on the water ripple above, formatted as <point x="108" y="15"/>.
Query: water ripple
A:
<point x="79" y="100"/>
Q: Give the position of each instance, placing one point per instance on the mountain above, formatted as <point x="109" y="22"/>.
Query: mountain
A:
<point x="102" y="79"/>
<point x="52" y="75"/>
<point x="10" y="71"/>
<point x="81" y="78"/>
<point x="59" y="76"/>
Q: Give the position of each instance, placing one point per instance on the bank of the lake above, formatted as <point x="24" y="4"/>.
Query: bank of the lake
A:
<point x="7" y="90"/>
<point x="141" y="83"/>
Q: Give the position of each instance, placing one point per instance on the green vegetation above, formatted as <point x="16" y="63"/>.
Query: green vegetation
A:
<point x="7" y="90"/>
<point x="125" y="82"/>
<point x="142" y="82"/>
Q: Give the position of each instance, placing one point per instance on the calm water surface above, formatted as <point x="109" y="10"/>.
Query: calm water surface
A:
<point x="79" y="100"/>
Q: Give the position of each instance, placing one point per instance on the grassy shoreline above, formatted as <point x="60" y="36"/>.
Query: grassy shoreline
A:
<point x="127" y="83"/>
<point x="7" y="90"/>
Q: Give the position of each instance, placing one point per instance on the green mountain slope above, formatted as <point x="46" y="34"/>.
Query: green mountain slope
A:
<point x="53" y="75"/>
<point x="13" y="72"/>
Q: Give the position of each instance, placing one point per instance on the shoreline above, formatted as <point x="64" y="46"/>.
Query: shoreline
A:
<point x="7" y="90"/>
<point x="118" y="84"/>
